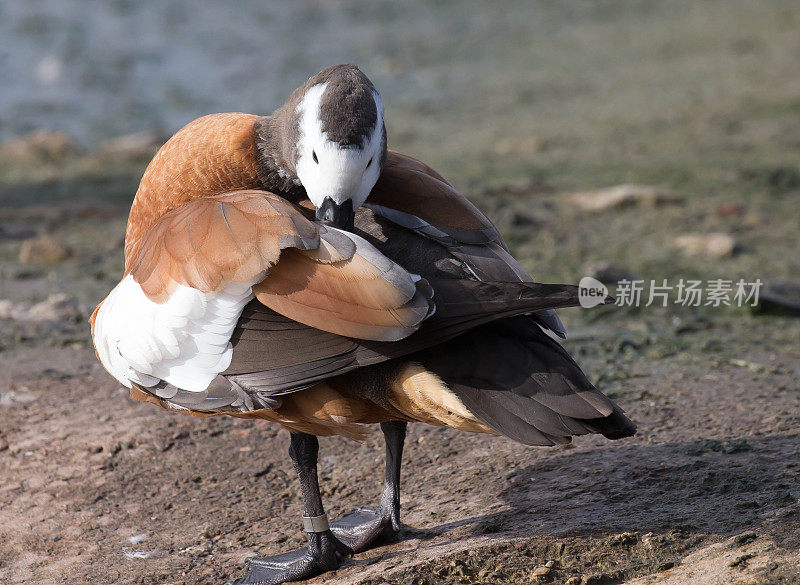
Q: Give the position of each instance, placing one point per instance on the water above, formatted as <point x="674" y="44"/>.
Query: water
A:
<point x="98" y="69"/>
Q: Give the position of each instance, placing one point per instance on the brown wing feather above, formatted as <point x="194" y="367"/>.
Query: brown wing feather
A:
<point x="412" y="187"/>
<point x="364" y="296"/>
<point x="209" y="156"/>
<point x="207" y="242"/>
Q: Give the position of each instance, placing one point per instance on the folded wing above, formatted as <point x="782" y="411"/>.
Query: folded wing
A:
<point x="411" y="194"/>
<point x="192" y="273"/>
<point x="320" y="276"/>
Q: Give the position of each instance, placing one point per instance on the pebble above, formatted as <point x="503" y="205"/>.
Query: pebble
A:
<point x="730" y="209"/>
<point x="12" y="397"/>
<point x="137" y="554"/>
<point x="713" y="245"/>
<point x="144" y="144"/>
<point x="56" y="307"/>
<point x="37" y="146"/>
<point x="43" y="250"/>
<point x="136" y="539"/>
<point x="622" y="196"/>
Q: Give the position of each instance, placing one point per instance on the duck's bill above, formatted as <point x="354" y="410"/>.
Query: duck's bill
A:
<point x="340" y="215"/>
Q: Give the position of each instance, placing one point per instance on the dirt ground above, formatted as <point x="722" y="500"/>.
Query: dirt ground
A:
<point x="97" y="488"/>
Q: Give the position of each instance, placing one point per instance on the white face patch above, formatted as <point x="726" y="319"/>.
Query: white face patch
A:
<point x="325" y="169"/>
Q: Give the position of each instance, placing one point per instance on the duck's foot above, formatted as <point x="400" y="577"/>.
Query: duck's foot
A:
<point x="366" y="527"/>
<point x="323" y="553"/>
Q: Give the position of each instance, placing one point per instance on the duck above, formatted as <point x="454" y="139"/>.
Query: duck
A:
<point x="291" y="268"/>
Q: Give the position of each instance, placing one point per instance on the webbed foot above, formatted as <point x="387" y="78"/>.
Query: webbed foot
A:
<point x="365" y="527"/>
<point x="323" y="553"/>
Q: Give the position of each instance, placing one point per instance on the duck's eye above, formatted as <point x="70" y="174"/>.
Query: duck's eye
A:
<point x="369" y="163"/>
<point x="314" y="156"/>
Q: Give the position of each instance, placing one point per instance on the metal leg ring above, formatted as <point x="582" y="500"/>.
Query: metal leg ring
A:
<point x="316" y="523"/>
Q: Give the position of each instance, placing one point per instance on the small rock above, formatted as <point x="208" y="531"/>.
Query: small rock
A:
<point x="741" y="561"/>
<point x="540" y="573"/>
<point x="163" y="444"/>
<point x="622" y="196"/>
<point x="57" y="307"/>
<point x="573" y="581"/>
<point x="8" y="309"/>
<point x="730" y="209"/>
<point x="138" y="144"/>
<point x="137" y="554"/>
<point x="743" y="539"/>
<point x="12" y="396"/>
<point x="37" y="146"/>
<point x="42" y="250"/>
<point x="734" y="446"/>
<point x="624" y="538"/>
<point x="529" y="145"/>
<point x="608" y="273"/>
<point x="713" y="245"/>
<point x="136" y="539"/>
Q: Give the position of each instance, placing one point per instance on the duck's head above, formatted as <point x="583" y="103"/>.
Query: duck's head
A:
<point x="332" y="141"/>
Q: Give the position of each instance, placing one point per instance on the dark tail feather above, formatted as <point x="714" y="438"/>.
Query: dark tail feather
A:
<point x="615" y="426"/>
<point x="523" y="384"/>
<point x="462" y="305"/>
<point x="463" y="298"/>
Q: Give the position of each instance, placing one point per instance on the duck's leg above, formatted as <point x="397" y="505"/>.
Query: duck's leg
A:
<point x="324" y="551"/>
<point x="362" y="528"/>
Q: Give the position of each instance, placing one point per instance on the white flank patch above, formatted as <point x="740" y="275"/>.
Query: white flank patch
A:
<point x="338" y="173"/>
<point x="184" y="341"/>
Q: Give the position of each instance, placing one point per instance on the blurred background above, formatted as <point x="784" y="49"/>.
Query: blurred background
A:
<point x="643" y="139"/>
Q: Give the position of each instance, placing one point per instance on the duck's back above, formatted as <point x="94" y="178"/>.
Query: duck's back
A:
<point x="211" y="155"/>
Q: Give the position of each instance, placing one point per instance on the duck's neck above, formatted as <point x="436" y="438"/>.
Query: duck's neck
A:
<point x="274" y="170"/>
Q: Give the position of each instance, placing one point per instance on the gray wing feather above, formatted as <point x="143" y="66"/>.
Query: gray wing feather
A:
<point x="485" y="261"/>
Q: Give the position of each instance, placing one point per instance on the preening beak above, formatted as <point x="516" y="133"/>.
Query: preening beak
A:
<point x="340" y="215"/>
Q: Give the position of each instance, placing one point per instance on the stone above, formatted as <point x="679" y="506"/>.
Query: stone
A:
<point x="730" y="209"/>
<point x="541" y="573"/>
<point x="622" y="196"/>
<point x="43" y="250"/>
<point x="56" y="307"/>
<point x="714" y="245"/>
<point x="138" y="144"/>
<point x="39" y="145"/>
<point x="524" y="146"/>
